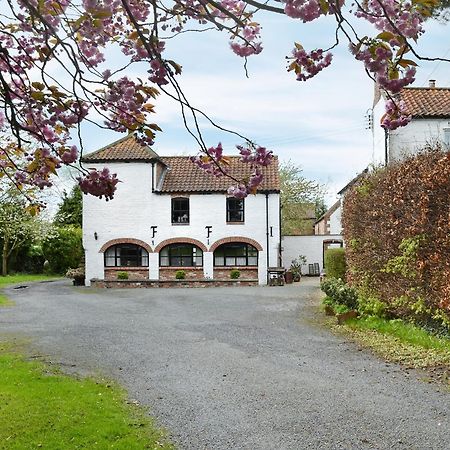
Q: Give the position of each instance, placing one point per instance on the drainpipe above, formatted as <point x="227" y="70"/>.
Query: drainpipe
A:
<point x="153" y="176"/>
<point x="386" y="137"/>
<point x="267" y="237"/>
<point x="280" y="257"/>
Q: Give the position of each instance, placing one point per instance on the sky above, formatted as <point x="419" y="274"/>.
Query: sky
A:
<point x="319" y="125"/>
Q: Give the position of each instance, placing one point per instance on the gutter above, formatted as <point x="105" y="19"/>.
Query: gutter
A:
<point x="267" y="238"/>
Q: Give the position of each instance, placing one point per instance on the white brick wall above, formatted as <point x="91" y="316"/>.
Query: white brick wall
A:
<point x="309" y="246"/>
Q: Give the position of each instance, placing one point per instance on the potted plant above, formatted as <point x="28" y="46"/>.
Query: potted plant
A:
<point x="77" y="275"/>
<point x="122" y="275"/>
<point x="296" y="267"/>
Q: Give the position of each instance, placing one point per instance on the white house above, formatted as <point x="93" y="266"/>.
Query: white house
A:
<point x="168" y="214"/>
<point x="430" y="111"/>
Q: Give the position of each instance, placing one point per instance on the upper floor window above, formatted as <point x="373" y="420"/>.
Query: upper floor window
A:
<point x="235" y="209"/>
<point x="180" y="210"/>
<point x="447" y="136"/>
<point x="181" y="255"/>
<point x="126" y="255"/>
<point x="236" y="254"/>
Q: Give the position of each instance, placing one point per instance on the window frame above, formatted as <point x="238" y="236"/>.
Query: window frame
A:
<point x="230" y="210"/>
<point x="170" y="256"/>
<point x="140" y="256"/>
<point x="246" y="256"/>
<point x="180" y="210"/>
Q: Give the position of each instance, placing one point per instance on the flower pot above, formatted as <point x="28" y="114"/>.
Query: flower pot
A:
<point x="288" y="277"/>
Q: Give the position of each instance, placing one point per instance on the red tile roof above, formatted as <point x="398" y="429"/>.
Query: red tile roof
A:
<point x="184" y="176"/>
<point x="427" y="102"/>
<point x="125" y="149"/>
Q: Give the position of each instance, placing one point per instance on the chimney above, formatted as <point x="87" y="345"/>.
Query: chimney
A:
<point x="432" y="83"/>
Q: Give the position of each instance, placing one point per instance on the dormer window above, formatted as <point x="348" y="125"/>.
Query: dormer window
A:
<point x="180" y="211"/>
<point x="235" y="210"/>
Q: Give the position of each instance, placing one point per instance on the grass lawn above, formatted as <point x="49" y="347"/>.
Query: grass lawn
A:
<point x="42" y="408"/>
<point x="20" y="278"/>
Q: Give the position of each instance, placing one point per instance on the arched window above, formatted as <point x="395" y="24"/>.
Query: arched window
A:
<point x="236" y="254"/>
<point x="181" y="255"/>
<point x="126" y="255"/>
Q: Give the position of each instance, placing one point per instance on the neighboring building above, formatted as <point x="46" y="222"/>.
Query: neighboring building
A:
<point x="330" y="222"/>
<point x="169" y="215"/>
<point x="430" y="111"/>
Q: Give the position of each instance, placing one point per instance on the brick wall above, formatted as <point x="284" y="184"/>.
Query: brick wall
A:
<point x="134" y="273"/>
<point x="247" y="273"/>
<point x="126" y="284"/>
<point x="192" y="273"/>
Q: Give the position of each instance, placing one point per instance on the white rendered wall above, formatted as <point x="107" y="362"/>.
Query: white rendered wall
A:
<point x="406" y="140"/>
<point x="309" y="246"/>
<point x="415" y="136"/>
<point x="335" y="221"/>
<point x="134" y="210"/>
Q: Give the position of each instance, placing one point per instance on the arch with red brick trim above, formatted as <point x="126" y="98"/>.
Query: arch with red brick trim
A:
<point x="181" y="240"/>
<point x="242" y="239"/>
<point x="112" y="242"/>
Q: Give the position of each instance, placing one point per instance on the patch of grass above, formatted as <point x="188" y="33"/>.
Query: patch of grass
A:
<point x="406" y="332"/>
<point x="401" y="342"/>
<point x="42" y="408"/>
<point x="20" y="278"/>
<point x="24" y="277"/>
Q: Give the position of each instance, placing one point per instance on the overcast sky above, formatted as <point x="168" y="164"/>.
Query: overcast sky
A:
<point x="319" y="124"/>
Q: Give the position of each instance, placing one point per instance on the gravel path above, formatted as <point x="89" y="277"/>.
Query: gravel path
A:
<point x="234" y="368"/>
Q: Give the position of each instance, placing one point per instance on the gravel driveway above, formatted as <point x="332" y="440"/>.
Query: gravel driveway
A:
<point x="234" y="368"/>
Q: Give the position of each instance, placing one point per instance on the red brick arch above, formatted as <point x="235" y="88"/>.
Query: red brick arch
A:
<point x="142" y="244"/>
<point x="242" y="239"/>
<point x="180" y="240"/>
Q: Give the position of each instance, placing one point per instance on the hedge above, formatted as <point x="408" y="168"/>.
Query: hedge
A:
<point x="335" y="263"/>
<point x="397" y="232"/>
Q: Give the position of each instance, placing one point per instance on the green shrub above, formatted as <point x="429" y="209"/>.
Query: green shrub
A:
<point x="34" y="261"/>
<point x="335" y="263"/>
<point x="180" y="274"/>
<point x="63" y="249"/>
<point x="371" y="306"/>
<point x="340" y="293"/>
<point x="235" y="274"/>
<point x="122" y="275"/>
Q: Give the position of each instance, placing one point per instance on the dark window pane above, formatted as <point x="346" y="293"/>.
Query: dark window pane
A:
<point x="235" y="210"/>
<point x="129" y="255"/>
<point x="181" y="255"/>
<point x="236" y="254"/>
<point x="180" y="210"/>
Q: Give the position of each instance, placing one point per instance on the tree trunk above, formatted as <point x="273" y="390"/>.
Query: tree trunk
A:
<point x="5" y="258"/>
